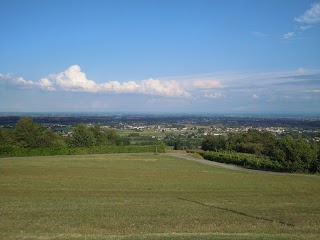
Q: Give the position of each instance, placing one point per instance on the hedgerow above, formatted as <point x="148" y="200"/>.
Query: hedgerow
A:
<point x="243" y="159"/>
<point x="24" y="152"/>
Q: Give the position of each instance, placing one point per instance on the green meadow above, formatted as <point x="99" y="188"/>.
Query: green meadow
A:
<point x="147" y="196"/>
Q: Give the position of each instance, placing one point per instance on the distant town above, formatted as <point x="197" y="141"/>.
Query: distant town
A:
<point x="163" y="126"/>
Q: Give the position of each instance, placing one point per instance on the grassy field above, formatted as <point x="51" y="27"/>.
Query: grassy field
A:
<point x="127" y="196"/>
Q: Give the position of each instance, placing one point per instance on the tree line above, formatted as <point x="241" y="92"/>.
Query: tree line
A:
<point x="293" y="155"/>
<point x="28" y="134"/>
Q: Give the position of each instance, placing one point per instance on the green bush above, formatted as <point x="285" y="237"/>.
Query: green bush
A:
<point x="243" y="159"/>
<point x="24" y="152"/>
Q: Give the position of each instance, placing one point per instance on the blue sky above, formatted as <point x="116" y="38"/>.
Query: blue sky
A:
<point x="160" y="56"/>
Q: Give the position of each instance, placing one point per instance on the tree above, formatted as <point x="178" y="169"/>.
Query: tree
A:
<point x="6" y="138"/>
<point x="100" y="135"/>
<point x="300" y="156"/>
<point x="261" y="143"/>
<point x="113" y="137"/>
<point x="82" y="136"/>
<point x="27" y="133"/>
<point x="49" y="139"/>
<point x="170" y="139"/>
<point x="214" y="143"/>
<point x="315" y="164"/>
<point x="177" y="144"/>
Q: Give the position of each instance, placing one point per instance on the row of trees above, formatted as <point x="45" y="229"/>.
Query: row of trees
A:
<point x="179" y="143"/>
<point x="295" y="155"/>
<point x="28" y="134"/>
<point x="84" y="136"/>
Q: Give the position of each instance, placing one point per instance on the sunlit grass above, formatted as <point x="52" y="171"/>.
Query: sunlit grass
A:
<point x="147" y="196"/>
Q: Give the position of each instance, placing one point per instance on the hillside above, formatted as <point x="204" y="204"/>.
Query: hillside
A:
<point x="134" y="196"/>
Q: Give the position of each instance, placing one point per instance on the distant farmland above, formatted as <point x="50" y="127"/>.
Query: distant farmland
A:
<point x="135" y="196"/>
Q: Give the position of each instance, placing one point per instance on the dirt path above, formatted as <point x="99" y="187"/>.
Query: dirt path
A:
<point x="234" y="167"/>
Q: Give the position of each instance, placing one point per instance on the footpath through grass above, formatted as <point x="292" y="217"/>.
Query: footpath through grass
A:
<point x="146" y="196"/>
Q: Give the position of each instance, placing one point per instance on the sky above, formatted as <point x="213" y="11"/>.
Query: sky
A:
<point x="177" y="56"/>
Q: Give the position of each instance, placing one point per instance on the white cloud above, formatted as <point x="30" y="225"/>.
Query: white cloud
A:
<point x="46" y="84"/>
<point x="149" y="87"/>
<point x="71" y="79"/>
<point x="211" y="83"/>
<point x="74" y="80"/>
<point x="23" y="83"/>
<point x="305" y="27"/>
<point x="255" y="96"/>
<point x="20" y="81"/>
<point x="227" y="83"/>
<point x="5" y="76"/>
<point x="310" y="16"/>
<point x="288" y="35"/>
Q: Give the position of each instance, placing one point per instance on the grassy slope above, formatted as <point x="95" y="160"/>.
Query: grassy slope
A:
<point x="148" y="196"/>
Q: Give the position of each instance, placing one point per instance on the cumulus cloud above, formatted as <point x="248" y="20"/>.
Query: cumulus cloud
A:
<point x="255" y="96"/>
<point x="46" y="84"/>
<point x="311" y="16"/>
<point x="211" y="83"/>
<point x="74" y="80"/>
<point x="288" y="35"/>
<point x="23" y="83"/>
<point x="149" y="87"/>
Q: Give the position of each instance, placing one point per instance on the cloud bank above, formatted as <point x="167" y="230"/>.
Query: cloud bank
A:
<point x="215" y="87"/>
<point x="210" y="83"/>
<point x="74" y="80"/>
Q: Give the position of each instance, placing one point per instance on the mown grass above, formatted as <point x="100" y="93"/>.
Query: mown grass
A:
<point x="147" y="196"/>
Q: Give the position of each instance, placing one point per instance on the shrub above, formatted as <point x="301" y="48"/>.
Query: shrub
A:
<point x="243" y="159"/>
<point x="23" y="152"/>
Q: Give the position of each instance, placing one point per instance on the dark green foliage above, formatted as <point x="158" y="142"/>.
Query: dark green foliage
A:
<point x="28" y="134"/>
<point x="177" y="144"/>
<point x="31" y="139"/>
<point x="112" y="136"/>
<point x="170" y="139"/>
<point x="134" y="135"/>
<point x="243" y="159"/>
<point x="6" y="137"/>
<point x="214" y="143"/>
<point x="23" y="152"/>
<point x="315" y="164"/>
<point x="289" y="154"/>
<point x="252" y="142"/>
<point x="82" y="136"/>
<point x="99" y="135"/>
<point x="49" y="139"/>
<point x="297" y="155"/>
